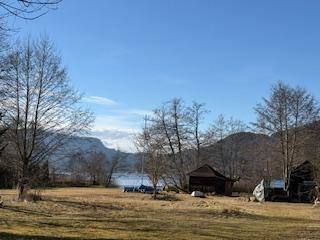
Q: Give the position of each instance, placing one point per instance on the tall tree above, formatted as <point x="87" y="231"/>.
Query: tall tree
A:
<point x="175" y="140"/>
<point x="42" y="109"/>
<point x="284" y="114"/>
<point x="196" y="114"/>
<point x="218" y="131"/>
<point x="151" y="151"/>
<point x="96" y="166"/>
<point x="114" y="164"/>
<point x="171" y="125"/>
<point x="3" y="130"/>
<point x="77" y="168"/>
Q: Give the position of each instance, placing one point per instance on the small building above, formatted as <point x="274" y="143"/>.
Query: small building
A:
<point x="302" y="186"/>
<point x="302" y="183"/>
<point x="206" y="179"/>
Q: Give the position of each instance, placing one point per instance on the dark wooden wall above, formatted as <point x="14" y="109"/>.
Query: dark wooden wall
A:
<point x="210" y="184"/>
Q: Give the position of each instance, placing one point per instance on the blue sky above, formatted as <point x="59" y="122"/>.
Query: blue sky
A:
<point x="130" y="56"/>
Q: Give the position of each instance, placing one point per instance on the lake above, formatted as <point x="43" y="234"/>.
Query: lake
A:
<point x="132" y="179"/>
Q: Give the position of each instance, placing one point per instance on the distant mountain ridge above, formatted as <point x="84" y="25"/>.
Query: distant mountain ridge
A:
<point x="258" y="155"/>
<point x="250" y="153"/>
<point x="87" y="145"/>
<point x="255" y="155"/>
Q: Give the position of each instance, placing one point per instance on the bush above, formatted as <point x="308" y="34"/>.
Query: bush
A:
<point x="229" y="212"/>
<point x="34" y="196"/>
<point x="171" y="189"/>
<point x="167" y="197"/>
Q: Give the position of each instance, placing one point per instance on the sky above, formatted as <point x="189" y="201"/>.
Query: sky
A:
<point x="128" y="57"/>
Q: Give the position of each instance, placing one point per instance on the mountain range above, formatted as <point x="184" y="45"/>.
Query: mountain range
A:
<point x="252" y="151"/>
<point x="87" y="145"/>
<point x="245" y="154"/>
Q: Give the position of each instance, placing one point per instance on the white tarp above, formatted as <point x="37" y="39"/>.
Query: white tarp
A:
<point x="258" y="192"/>
<point x="197" y="194"/>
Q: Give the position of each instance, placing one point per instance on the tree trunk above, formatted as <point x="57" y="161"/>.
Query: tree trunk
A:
<point x="109" y="177"/>
<point x="23" y="182"/>
<point x="154" y="196"/>
<point x="22" y="190"/>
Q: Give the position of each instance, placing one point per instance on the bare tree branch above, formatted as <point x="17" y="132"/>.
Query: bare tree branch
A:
<point x="28" y="10"/>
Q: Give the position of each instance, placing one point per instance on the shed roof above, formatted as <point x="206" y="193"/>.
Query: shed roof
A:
<point x="207" y="171"/>
<point x="305" y="171"/>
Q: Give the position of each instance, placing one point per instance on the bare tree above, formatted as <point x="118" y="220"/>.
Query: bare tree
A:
<point x="195" y="115"/>
<point x="171" y="126"/>
<point x="113" y="165"/>
<point x="177" y="114"/>
<point x="3" y="130"/>
<point x="151" y="148"/>
<point x="96" y="166"/>
<point x="42" y="109"/>
<point x="224" y="134"/>
<point x="174" y="142"/>
<point x="87" y="168"/>
<point x="162" y="129"/>
<point x="235" y="163"/>
<point x="218" y="131"/>
<point x="22" y="9"/>
<point x="283" y="115"/>
<point x="76" y="166"/>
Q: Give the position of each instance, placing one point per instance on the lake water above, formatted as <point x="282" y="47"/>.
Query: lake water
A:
<point x="132" y="179"/>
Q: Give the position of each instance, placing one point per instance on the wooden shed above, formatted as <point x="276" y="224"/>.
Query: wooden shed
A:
<point x="207" y="179"/>
<point x="302" y="187"/>
<point x="302" y="183"/>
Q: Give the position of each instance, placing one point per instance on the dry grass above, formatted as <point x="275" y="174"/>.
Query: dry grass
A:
<point x="97" y="213"/>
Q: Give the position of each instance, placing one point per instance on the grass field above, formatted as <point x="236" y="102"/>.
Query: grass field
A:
<point x="98" y="213"/>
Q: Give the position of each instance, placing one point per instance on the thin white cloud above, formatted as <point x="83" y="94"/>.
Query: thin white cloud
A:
<point x="118" y="124"/>
<point x="100" y="100"/>
<point x="134" y="111"/>
<point x="117" y="131"/>
<point x="116" y="139"/>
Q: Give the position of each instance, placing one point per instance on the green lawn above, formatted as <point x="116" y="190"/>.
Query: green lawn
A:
<point x="98" y="213"/>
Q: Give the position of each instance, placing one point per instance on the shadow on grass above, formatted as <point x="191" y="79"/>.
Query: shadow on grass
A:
<point x="241" y="214"/>
<point x="85" y="205"/>
<point x="167" y="197"/>
<point x="223" y="213"/>
<point x="11" y="236"/>
<point x="31" y="212"/>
